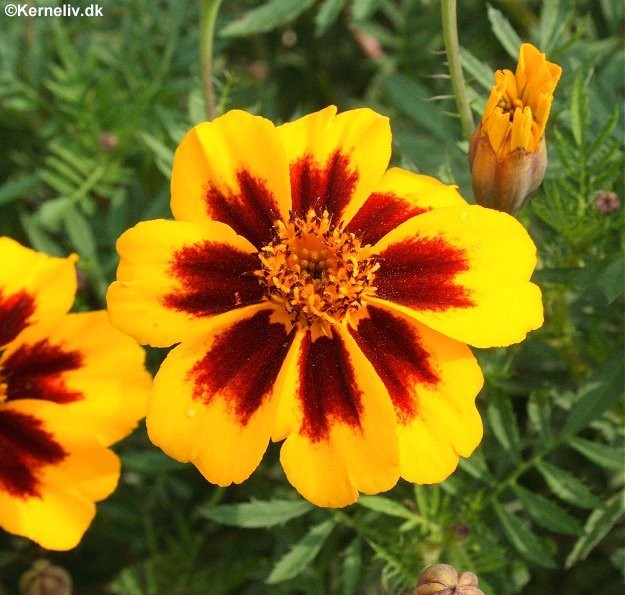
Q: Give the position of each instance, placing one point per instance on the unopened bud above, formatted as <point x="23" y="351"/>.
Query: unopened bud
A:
<point x="607" y="202"/>
<point x="44" y="578"/>
<point x="108" y="141"/>
<point x="443" y="579"/>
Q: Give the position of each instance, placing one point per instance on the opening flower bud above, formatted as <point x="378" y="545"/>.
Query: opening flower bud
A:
<point x="508" y="152"/>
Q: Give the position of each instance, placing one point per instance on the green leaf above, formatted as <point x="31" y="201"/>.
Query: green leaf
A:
<point x="79" y="232"/>
<point x="481" y="72"/>
<point x="603" y="390"/>
<point x="539" y="413"/>
<point x="149" y="462"/>
<point x="352" y="567"/>
<point x="257" y="514"/>
<point x="18" y="188"/>
<point x="612" y="279"/>
<point x="603" y="455"/>
<point x="386" y="506"/>
<point x="363" y="9"/>
<point x="504" y="32"/>
<point x="266" y="17"/>
<point x="553" y="19"/>
<point x="504" y="425"/>
<point x="327" y="14"/>
<point x="522" y="538"/>
<point x="301" y="554"/>
<point x="548" y="514"/>
<point x="596" y="528"/>
<point x="579" y="109"/>
<point x="567" y="487"/>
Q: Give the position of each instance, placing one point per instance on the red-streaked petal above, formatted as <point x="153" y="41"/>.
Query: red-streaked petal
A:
<point x="175" y="275"/>
<point x="463" y="271"/>
<point x="335" y="160"/>
<point x="84" y="364"/>
<point x="432" y="381"/>
<point x="25" y="447"/>
<point x="340" y="423"/>
<point x="233" y="170"/>
<point x="214" y="399"/>
<point x="69" y="471"/>
<point x="33" y="287"/>
<point x="399" y="196"/>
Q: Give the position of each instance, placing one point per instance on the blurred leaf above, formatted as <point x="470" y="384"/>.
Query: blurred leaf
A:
<point x="149" y="462"/>
<point x="547" y="513"/>
<point x="164" y="155"/>
<point x="608" y="457"/>
<point x="39" y="239"/>
<point x="364" y="9"/>
<point x="327" y="14"/>
<point x="504" y="425"/>
<point x="351" y="567"/>
<point x="79" y="232"/>
<point x="17" y="189"/>
<point x="301" y="554"/>
<point x="603" y="390"/>
<point x="257" y="513"/>
<point x="567" y="487"/>
<point x="612" y="279"/>
<point x="482" y="73"/>
<point x="580" y="109"/>
<point x="597" y="526"/>
<point x="522" y="538"/>
<point x="539" y="413"/>
<point x="553" y="20"/>
<point x="266" y="17"/>
<point x="385" y="506"/>
<point x="504" y="32"/>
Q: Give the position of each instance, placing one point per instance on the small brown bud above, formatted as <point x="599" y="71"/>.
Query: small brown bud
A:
<point x="607" y="202"/>
<point x="108" y="141"/>
<point x="44" y="578"/>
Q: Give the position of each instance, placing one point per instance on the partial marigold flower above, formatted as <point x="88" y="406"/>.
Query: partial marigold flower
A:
<point x="319" y="299"/>
<point x="70" y="386"/>
<point x="508" y="152"/>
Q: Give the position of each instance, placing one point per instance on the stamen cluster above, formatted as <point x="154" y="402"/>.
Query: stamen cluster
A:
<point x="316" y="271"/>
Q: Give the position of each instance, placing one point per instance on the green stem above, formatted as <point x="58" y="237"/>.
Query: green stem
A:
<point x="208" y="18"/>
<point x="452" y="48"/>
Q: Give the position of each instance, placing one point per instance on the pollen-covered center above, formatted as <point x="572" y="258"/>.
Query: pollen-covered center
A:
<point x="317" y="272"/>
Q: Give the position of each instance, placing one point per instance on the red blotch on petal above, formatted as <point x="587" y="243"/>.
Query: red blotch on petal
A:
<point x="328" y="390"/>
<point x="25" y="448"/>
<point x="15" y="312"/>
<point x="320" y="187"/>
<point x="36" y="372"/>
<point x="394" y="349"/>
<point x="251" y="210"/>
<point x="381" y="213"/>
<point x="214" y="278"/>
<point x="242" y="365"/>
<point x="420" y="273"/>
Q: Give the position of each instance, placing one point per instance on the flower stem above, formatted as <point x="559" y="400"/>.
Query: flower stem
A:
<point x="452" y="48"/>
<point x="208" y="18"/>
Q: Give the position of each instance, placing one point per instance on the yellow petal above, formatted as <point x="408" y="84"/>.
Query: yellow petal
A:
<point x="336" y="160"/>
<point x="175" y="275"/>
<point x="33" y="287"/>
<point x="401" y="194"/>
<point x="234" y="170"/>
<point x="66" y="489"/>
<point x="214" y="400"/>
<point x="463" y="271"/>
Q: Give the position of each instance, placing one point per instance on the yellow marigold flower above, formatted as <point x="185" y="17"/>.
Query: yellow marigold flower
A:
<point x="321" y="300"/>
<point x="70" y="385"/>
<point x="508" y="154"/>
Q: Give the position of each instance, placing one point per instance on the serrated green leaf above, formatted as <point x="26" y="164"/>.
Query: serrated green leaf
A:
<point x="539" y="413"/>
<point x="603" y="390"/>
<point x="351" y="567"/>
<point x="567" y="487"/>
<point x="603" y="455"/>
<point x="256" y="514"/>
<point x="579" y="109"/>
<point x="386" y="506"/>
<point x="547" y="513"/>
<point x="522" y="538"/>
<point x="301" y="554"/>
<point x="327" y="14"/>
<point x="596" y="528"/>
<point x="504" y="425"/>
<point x="267" y="17"/>
<point x="504" y="32"/>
